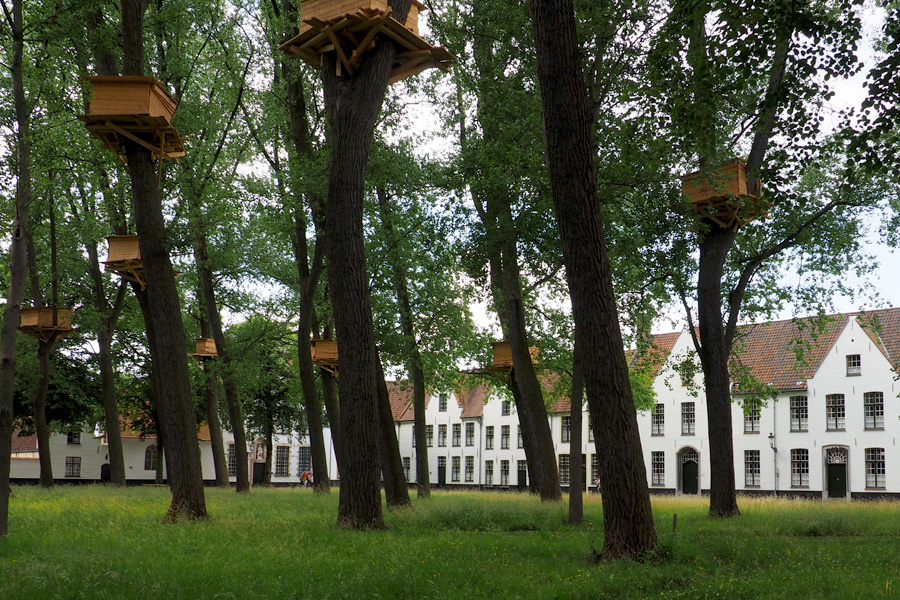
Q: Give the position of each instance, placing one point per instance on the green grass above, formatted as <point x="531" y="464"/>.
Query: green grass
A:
<point x="99" y="542"/>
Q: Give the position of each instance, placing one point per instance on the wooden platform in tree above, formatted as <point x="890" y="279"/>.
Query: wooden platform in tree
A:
<point x="41" y="324"/>
<point x="324" y="354"/>
<point x="503" y="360"/>
<point x="134" y="108"/>
<point x="205" y="349"/>
<point x="124" y="258"/>
<point x="720" y="195"/>
<point x="352" y="28"/>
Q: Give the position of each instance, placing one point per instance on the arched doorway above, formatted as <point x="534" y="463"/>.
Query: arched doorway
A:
<point x="689" y="472"/>
<point x="836" y="471"/>
<point x="258" y="462"/>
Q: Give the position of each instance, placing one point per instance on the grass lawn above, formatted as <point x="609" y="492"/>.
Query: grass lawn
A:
<point x="99" y="542"/>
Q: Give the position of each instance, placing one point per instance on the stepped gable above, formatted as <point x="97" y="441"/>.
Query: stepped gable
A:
<point x="472" y="401"/>
<point x="26" y="443"/>
<point x="655" y="357"/>
<point x="785" y="354"/>
<point x="883" y="327"/>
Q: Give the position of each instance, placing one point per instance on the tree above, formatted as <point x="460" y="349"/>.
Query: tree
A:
<point x="627" y="517"/>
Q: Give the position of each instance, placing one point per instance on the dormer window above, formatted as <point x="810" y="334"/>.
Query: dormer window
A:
<point x="854" y="365"/>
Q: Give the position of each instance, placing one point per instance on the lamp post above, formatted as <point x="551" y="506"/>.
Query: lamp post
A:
<point x="774" y="464"/>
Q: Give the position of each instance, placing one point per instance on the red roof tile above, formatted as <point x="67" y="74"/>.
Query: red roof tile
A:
<point x="26" y="443"/>
<point x="472" y="400"/>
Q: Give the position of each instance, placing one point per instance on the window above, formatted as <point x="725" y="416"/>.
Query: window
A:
<point x="520" y="443"/>
<point x="457" y="434"/>
<point x="590" y="429"/>
<point x="454" y="469"/>
<point x="799" y="415"/>
<point x="429" y="435"/>
<point x="406" y="467"/>
<point x="442" y="462"/>
<point x="470" y="434"/>
<point x="413" y="434"/>
<point x="442" y="403"/>
<point x="595" y="467"/>
<point x="800" y="467"/>
<point x="504" y="437"/>
<point x="282" y="460"/>
<point x="504" y="472"/>
<point x="658" y="420"/>
<point x="875" y="468"/>
<point x="751" y="417"/>
<point x="566" y="431"/>
<point x="73" y="437"/>
<point x="150" y="455"/>
<point x="854" y="365"/>
<point x="658" y="466"/>
<point x="506" y="408"/>
<point x="489" y="473"/>
<point x="232" y="461"/>
<point x="564" y="468"/>
<point x="874" y="407"/>
<point x="470" y="468"/>
<point x="751" y="467"/>
<point x="686" y="373"/>
<point x="834" y="412"/>
<point x="489" y="437"/>
<point x="687" y="418"/>
<point x="442" y="435"/>
<point x="73" y="466"/>
<point x="304" y="460"/>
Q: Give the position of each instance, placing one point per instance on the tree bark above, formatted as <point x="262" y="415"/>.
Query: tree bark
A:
<point x="576" y="476"/>
<point x="353" y="103"/>
<point x="627" y="517"/>
<point x="39" y="404"/>
<point x="396" y="489"/>
<point x="414" y="357"/>
<point x="174" y="403"/>
<point x="216" y="440"/>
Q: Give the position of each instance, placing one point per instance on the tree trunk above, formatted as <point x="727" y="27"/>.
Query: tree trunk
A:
<point x="353" y="103"/>
<point x="267" y="476"/>
<point x="216" y="441"/>
<point x="174" y="403"/>
<point x="414" y="358"/>
<point x="396" y="489"/>
<point x="232" y="400"/>
<point x="17" y="266"/>
<point x="160" y="475"/>
<point x="39" y="404"/>
<point x="627" y="517"/>
<point x="714" y="353"/>
<point x="576" y="475"/>
<point x="333" y="410"/>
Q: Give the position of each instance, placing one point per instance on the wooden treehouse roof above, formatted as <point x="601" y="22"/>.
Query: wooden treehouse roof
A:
<point x="354" y="33"/>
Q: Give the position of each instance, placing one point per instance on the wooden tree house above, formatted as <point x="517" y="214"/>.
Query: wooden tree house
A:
<point x="205" y="349"/>
<point x="135" y="108"/>
<point x="503" y="360"/>
<point x="325" y="354"/>
<point x="124" y="258"/>
<point x="720" y="195"/>
<point x="353" y="27"/>
<point x="46" y="324"/>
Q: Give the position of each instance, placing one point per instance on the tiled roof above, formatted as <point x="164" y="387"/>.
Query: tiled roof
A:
<point x="472" y="400"/>
<point x="129" y="433"/>
<point x="883" y="326"/>
<point x="785" y="354"/>
<point x="401" y="393"/>
<point x="653" y="359"/>
<point x="26" y="443"/>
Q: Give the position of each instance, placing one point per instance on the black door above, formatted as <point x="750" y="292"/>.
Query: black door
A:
<point x="259" y="473"/>
<point x="837" y="480"/>
<point x="442" y="476"/>
<point x="523" y="476"/>
<point x="105" y="475"/>
<point x="689" y="477"/>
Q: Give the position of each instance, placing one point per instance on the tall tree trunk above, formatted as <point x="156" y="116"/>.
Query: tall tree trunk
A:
<point x="627" y="517"/>
<point x="39" y="403"/>
<point x="160" y="476"/>
<point x="396" y="489"/>
<point x="333" y="410"/>
<point x="414" y="357"/>
<point x="174" y="403"/>
<point x="216" y="440"/>
<point x="576" y="475"/>
<point x="267" y="476"/>
<point x="232" y="400"/>
<point x="714" y="353"/>
<point x="353" y="103"/>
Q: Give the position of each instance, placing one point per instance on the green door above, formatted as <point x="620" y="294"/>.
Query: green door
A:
<point x="837" y="480"/>
<point x="689" y="472"/>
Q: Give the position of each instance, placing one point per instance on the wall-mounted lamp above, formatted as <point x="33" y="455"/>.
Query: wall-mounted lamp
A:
<point x="772" y="442"/>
